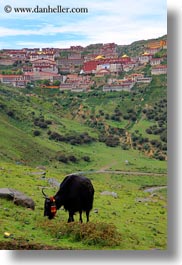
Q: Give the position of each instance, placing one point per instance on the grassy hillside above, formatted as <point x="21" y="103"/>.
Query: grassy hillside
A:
<point x="51" y="123"/>
<point x="87" y="132"/>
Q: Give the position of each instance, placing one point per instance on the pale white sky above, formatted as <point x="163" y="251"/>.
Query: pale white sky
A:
<point x="118" y="21"/>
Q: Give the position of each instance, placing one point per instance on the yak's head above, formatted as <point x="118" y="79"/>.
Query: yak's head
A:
<point x="49" y="206"/>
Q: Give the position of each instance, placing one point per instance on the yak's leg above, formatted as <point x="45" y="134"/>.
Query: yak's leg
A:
<point x="87" y="214"/>
<point x="70" y="219"/>
<point x="81" y="220"/>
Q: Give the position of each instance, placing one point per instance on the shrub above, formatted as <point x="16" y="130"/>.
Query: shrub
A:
<point x="141" y="140"/>
<point x="126" y="117"/>
<point x="130" y="111"/>
<point x="115" y="118"/>
<point x="112" y="141"/>
<point x="56" y="83"/>
<point x="148" y="130"/>
<point x="107" y="117"/>
<point x="73" y="139"/>
<point x="134" y="137"/>
<point x="40" y="122"/>
<point x="102" y="138"/>
<point x="146" y="147"/>
<point x="36" y="133"/>
<point x="48" y="122"/>
<point x="62" y="158"/>
<point x="156" y="143"/>
<point x="72" y="158"/>
<point x="163" y="137"/>
<point x="101" y="112"/>
<point x="86" y="158"/>
<point x="125" y="147"/>
<point x="10" y="113"/>
<point x="161" y="157"/>
<point x="42" y="125"/>
<point x="56" y="136"/>
<point x="2" y="106"/>
<point x="100" y="233"/>
<point x="164" y="147"/>
<point x="49" y="132"/>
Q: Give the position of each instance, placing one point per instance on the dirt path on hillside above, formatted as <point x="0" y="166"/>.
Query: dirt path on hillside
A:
<point x="134" y="173"/>
<point x="106" y="169"/>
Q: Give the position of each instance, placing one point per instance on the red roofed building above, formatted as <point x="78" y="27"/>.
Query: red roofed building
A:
<point x="145" y="58"/>
<point x="109" y="50"/>
<point x="44" y="65"/>
<point x="14" y="80"/>
<point x="18" y="54"/>
<point x="42" y="55"/>
<point x="100" y="62"/>
<point x="33" y="76"/>
<point x="103" y="72"/>
<point x="7" y="61"/>
<point x="153" y="50"/>
<point x="90" y="66"/>
<point x="159" y="70"/>
<point x="155" y="61"/>
<point x="124" y="86"/>
<point x="125" y="59"/>
<point x="76" y="48"/>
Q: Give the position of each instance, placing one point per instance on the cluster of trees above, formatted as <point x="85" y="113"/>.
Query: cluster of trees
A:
<point x="42" y="123"/>
<point x="11" y="72"/>
<point x="143" y="143"/>
<point x="10" y="112"/>
<point x="138" y="139"/>
<point x="47" y="82"/>
<point x="117" y="115"/>
<point x="107" y="134"/>
<point x="73" y="139"/>
<point x="62" y="157"/>
<point x="130" y="115"/>
<point x="110" y="140"/>
<point x="158" y="114"/>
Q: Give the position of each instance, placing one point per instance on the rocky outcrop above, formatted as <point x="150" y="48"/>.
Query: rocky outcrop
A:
<point x="110" y="193"/>
<point x="17" y="197"/>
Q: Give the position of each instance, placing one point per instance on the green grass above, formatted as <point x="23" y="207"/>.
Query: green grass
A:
<point x="130" y="224"/>
<point x="75" y="126"/>
<point x="141" y="126"/>
<point x="117" y="124"/>
<point x="16" y="145"/>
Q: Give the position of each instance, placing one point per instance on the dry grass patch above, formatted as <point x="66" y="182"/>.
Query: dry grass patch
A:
<point x="100" y="233"/>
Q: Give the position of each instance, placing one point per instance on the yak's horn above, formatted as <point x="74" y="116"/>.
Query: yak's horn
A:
<point x="44" y="193"/>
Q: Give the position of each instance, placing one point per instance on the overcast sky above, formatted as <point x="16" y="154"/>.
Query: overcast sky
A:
<point x="119" y="21"/>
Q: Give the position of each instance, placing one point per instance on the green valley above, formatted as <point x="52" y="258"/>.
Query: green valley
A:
<point x="117" y="139"/>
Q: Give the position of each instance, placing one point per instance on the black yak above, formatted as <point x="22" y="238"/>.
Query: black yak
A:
<point x="76" y="194"/>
